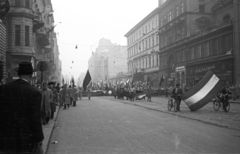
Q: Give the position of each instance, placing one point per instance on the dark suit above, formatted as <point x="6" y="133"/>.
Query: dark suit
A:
<point x="20" y="117"/>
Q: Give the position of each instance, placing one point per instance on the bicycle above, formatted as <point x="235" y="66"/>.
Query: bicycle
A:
<point x="217" y="102"/>
<point x="172" y="103"/>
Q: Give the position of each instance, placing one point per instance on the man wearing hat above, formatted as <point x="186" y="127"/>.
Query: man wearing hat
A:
<point x="20" y="114"/>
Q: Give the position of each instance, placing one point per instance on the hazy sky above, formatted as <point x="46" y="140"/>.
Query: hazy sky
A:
<point x="85" y="22"/>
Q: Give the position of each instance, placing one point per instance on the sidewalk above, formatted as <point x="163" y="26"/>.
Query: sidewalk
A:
<point x="48" y="129"/>
<point x="207" y="115"/>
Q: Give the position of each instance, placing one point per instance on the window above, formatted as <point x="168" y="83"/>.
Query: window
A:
<point x="27" y="3"/>
<point x="177" y="11"/>
<point x="27" y="36"/>
<point x="157" y="21"/>
<point x="149" y="61"/>
<point x="215" y="46"/>
<point x="201" y="6"/>
<point x="18" y="2"/>
<point x="182" y="7"/>
<point x="170" y="16"/>
<point x="161" y="22"/>
<point x="153" y="43"/>
<point x="227" y="41"/>
<point x="153" y="24"/>
<point x="192" y="53"/>
<point x="197" y="52"/>
<point x="17" y="35"/>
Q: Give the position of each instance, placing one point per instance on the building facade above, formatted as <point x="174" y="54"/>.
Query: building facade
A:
<point x="196" y="36"/>
<point x="143" y="48"/>
<point x="108" y="60"/>
<point x="2" y="51"/>
<point x="30" y="37"/>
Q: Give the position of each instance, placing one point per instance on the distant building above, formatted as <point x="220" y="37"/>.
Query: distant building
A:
<point x="108" y="60"/>
<point x="143" y="48"/>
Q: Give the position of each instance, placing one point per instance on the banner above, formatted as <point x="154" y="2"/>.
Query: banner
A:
<point x="86" y="80"/>
<point x="203" y="92"/>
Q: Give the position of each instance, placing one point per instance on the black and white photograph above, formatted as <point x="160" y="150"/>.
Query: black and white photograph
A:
<point x="120" y="77"/>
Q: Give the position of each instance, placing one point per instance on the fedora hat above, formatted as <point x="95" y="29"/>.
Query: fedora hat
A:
<point x="25" y="68"/>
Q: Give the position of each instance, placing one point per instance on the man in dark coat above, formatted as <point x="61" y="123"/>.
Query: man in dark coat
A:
<point x="20" y="114"/>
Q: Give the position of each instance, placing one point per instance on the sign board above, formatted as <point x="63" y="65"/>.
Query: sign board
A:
<point x="180" y="69"/>
<point x="42" y="66"/>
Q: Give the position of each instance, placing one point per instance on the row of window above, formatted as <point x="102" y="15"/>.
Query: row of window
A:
<point x="144" y="62"/>
<point x="151" y="25"/>
<point x="18" y="35"/>
<point x="143" y="45"/>
<point x="171" y="14"/>
<point x="25" y="3"/>
<point x="172" y="36"/>
<point x="220" y="45"/>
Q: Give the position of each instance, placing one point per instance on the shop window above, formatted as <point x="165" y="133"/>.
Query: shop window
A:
<point x="17" y="35"/>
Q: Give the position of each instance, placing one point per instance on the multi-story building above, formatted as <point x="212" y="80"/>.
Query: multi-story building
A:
<point x="143" y="48"/>
<point x="196" y="36"/>
<point x="30" y="37"/>
<point x="108" y="60"/>
<point x="2" y="52"/>
<point x="19" y="25"/>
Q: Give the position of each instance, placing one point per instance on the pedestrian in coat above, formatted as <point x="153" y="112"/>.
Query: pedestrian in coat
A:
<point x="74" y="94"/>
<point x="65" y="96"/>
<point x="47" y="98"/>
<point x="53" y="103"/>
<point x="89" y="92"/>
<point x="71" y="96"/>
<point x="80" y="92"/>
<point x="149" y="94"/>
<point x="20" y="114"/>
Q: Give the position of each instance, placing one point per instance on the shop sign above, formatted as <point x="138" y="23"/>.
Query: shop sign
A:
<point x="217" y="67"/>
<point x="180" y="68"/>
<point x="204" y="68"/>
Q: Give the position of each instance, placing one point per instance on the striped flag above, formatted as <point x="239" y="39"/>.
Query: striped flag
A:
<point x="203" y="92"/>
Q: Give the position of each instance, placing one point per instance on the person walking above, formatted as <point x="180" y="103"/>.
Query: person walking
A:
<point x="20" y="114"/>
<point x="53" y="102"/>
<point x="89" y="92"/>
<point x="74" y="94"/>
<point x="47" y="98"/>
<point x="80" y="92"/>
<point x="65" y="96"/>
<point x="149" y="94"/>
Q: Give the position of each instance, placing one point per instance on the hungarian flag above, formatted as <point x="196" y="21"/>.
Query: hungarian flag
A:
<point x="203" y="92"/>
<point x="86" y="80"/>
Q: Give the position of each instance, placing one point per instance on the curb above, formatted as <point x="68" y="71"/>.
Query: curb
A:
<point x="173" y="113"/>
<point x="48" y="137"/>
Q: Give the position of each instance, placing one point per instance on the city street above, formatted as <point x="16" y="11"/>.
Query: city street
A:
<point x="106" y="126"/>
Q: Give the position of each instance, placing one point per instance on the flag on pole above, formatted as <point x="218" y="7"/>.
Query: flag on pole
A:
<point x="86" y="80"/>
<point x="161" y="81"/>
<point x="203" y="92"/>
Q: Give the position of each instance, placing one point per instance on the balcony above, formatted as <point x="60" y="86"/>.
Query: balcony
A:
<point x="47" y="49"/>
<point x="37" y="24"/>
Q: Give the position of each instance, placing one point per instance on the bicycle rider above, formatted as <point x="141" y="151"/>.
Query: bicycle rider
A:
<point x="225" y="91"/>
<point x="177" y="92"/>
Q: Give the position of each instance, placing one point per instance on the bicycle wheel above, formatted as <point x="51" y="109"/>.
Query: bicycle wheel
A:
<point x="227" y="107"/>
<point x="170" y="104"/>
<point x="175" y="106"/>
<point x="216" y="105"/>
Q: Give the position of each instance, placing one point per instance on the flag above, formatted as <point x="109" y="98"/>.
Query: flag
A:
<point x="161" y="81"/>
<point x="203" y="92"/>
<point x="62" y="80"/>
<point x="86" y="80"/>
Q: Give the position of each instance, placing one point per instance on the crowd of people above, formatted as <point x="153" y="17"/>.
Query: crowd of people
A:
<point x="25" y="108"/>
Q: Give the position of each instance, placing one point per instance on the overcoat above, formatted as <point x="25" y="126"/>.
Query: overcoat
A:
<point x="46" y="104"/>
<point x="74" y="93"/>
<point x="20" y="117"/>
<point x="65" y="96"/>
